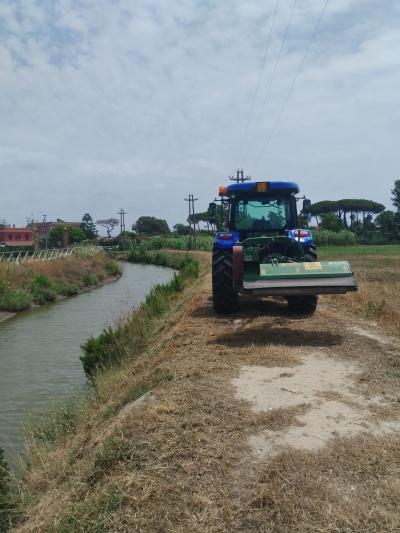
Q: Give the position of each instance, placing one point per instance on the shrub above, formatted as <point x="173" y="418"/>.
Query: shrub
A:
<point x="42" y="289"/>
<point x="89" y="280"/>
<point x="42" y="295"/>
<point x="113" y="268"/>
<point x="103" y="350"/>
<point x="66" y="288"/>
<point x="15" y="300"/>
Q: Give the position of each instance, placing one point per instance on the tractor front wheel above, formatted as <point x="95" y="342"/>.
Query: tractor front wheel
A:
<point x="225" y="296"/>
<point x="302" y="304"/>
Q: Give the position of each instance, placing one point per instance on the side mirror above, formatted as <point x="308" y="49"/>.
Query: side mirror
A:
<point x="306" y="205"/>
<point x="212" y="211"/>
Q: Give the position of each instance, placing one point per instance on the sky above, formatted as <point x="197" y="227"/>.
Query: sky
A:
<point x="136" y="104"/>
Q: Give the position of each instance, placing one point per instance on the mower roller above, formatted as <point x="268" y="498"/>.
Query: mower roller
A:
<point x="264" y="252"/>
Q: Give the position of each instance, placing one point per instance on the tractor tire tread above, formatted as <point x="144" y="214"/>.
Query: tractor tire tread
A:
<point x="225" y="297"/>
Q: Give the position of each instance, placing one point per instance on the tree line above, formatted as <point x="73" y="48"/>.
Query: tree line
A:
<point x="366" y="218"/>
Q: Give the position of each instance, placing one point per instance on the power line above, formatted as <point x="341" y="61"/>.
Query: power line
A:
<point x="260" y="73"/>
<point x="273" y="71"/>
<point x="288" y="94"/>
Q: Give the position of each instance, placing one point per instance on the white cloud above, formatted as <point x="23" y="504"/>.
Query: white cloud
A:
<point x="137" y="104"/>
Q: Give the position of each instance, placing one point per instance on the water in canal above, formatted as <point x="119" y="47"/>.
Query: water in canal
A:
<point x="40" y="349"/>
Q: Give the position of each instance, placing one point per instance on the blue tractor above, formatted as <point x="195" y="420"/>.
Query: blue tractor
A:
<point x="263" y="251"/>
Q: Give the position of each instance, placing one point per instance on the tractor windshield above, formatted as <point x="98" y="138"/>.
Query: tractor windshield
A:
<point x="266" y="214"/>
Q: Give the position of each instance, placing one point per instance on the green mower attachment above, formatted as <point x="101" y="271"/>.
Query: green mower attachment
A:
<point x="301" y="278"/>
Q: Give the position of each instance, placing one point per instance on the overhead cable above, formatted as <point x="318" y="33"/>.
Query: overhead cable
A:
<point x="260" y="73"/>
<point x="278" y="57"/>
<point x="288" y="94"/>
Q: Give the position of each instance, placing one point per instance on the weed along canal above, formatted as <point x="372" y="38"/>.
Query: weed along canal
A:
<point x="40" y="349"/>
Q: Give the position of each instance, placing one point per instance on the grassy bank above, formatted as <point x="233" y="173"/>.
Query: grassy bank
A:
<point x="161" y="443"/>
<point x="73" y="451"/>
<point x="39" y="282"/>
<point x="132" y="336"/>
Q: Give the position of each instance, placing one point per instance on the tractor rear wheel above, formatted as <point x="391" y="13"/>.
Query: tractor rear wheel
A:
<point x="302" y="304"/>
<point x="225" y="296"/>
<point x="311" y="253"/>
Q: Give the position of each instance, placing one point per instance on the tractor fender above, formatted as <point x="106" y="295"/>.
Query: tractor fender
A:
<point x="237" y="252"/>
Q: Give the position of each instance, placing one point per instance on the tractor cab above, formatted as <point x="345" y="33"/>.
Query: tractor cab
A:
<point x="261" y="209"/>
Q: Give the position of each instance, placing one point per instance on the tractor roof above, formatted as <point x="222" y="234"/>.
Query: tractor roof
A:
<point x="261" y="187"/>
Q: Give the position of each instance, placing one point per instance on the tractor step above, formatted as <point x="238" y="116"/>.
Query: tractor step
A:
<point x="287" y="279"/>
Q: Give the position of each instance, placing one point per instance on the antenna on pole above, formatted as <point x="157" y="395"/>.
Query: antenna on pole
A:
<point x="240" y="177"/>
<point x="192" y="219"/>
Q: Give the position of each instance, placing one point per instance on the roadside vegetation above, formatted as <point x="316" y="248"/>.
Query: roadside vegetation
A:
<point x="133" y="335"/>
<point x="40" y="282"/>
<point x="122" y="364"/>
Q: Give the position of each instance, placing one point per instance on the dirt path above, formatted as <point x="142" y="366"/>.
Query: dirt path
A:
<point x="304" y="414"/>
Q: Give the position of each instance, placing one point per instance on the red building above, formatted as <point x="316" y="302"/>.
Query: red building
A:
<point x="16" y="236"/>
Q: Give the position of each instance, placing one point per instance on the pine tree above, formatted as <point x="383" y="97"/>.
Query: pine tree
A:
<point x="396" y="195"/>
<point x="89" y="227"/>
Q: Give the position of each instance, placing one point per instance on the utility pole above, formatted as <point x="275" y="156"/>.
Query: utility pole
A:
<point x="122" y="214"/>
<point x="191" y="201"/>
<point x="240" y="178"/>
<point x="45" y="231"/>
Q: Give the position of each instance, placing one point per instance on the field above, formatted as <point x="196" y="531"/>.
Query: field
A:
<point x="260" y="421"/>
<point x="378" y="274"/>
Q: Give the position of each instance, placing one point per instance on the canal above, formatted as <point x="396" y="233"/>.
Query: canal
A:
<point x="40" y="349"/>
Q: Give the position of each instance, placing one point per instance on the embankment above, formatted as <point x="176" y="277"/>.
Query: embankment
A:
<point x="28" y="284"/>
<point x="261" y="421"/>
<point x="122" y="364"/>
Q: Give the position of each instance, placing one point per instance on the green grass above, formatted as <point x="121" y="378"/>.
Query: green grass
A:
<point x="66" y="288"/>
<point x="90" y="280"/>
<point x="113" y="268"/>
<point x="336" y="252"/>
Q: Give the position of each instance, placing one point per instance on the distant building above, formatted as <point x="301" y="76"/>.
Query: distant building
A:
<point x="45" y="227"/>
<point x="16" y="236"/>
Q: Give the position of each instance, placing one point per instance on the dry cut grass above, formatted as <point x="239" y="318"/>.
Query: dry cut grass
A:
<point x="378" y="294"/>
